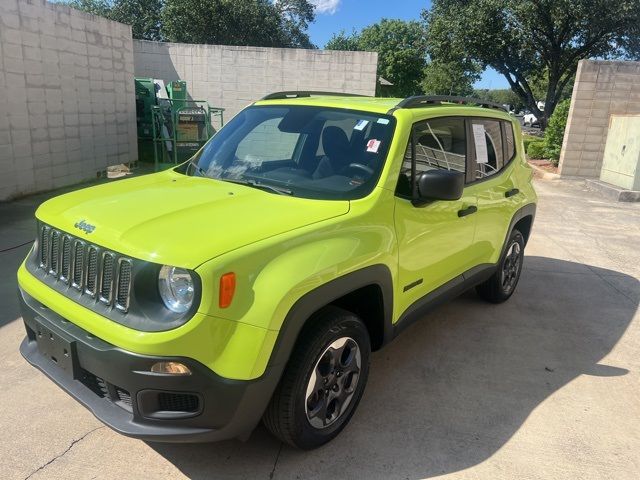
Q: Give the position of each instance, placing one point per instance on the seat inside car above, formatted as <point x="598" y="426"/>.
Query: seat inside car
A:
<point x="337" y="152"/>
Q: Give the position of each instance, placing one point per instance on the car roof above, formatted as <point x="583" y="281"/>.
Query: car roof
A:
<point x="367" y="104"/>
<point x="384" y="105"/>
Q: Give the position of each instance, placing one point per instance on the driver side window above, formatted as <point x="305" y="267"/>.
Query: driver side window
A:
<point x="440" y="143"/>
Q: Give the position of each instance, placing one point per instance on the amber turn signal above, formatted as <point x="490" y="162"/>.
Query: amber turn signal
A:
<point x="227" y="289"/>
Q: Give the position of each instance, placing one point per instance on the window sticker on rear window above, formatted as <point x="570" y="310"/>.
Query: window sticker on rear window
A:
<point x="361" y="125"/>
<point x="373" y="145"/>
<point x="383" y="121"/>
<point x="480" y="141"/>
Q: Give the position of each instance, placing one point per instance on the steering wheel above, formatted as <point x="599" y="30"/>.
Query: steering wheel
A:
<point x="359" y="166"/>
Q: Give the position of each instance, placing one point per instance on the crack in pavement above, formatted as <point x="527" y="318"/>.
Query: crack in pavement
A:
<point x="275" y="464"/>
<point x="42" y="467"/>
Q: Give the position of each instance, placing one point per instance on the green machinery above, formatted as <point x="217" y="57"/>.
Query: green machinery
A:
<point x="171" y="126"/>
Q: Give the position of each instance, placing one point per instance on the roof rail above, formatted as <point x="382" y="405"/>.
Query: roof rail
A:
<point x="304" y="93"/>
<point x="423" y="100"/>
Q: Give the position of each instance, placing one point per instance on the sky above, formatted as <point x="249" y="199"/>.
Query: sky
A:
<point x="332" y="16"/>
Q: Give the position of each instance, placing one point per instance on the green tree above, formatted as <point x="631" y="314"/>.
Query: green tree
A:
<point x="554" y="134"/>
<point x="401" y="48"/>
<point x="142" y="15"/>
<point x="94" y="7"/>
<point x="230" y="22"/>
<point x="297" y="15"/>
<point x="503" y="96"/>
<point x="520" y="38"/>
<point x="344" y="41"/>
<point x="449" y="78"/>
<point x="539" y="82"/>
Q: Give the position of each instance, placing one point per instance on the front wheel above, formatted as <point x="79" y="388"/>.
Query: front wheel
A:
<point x="503" y="282"/>
<point x="323" y="382"/>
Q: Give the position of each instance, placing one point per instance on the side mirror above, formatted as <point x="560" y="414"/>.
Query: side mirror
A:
<point x="439" y="185"/>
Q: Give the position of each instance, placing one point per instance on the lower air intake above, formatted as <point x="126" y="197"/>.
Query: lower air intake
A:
<point x="178" y="402"/>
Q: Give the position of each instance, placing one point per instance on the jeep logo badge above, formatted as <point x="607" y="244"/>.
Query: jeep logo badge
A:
<point x="87" y="228"/>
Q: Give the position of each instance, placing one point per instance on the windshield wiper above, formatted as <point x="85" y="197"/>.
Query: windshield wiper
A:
<point x="261" y="186"/>
<point x="197" y="167"/>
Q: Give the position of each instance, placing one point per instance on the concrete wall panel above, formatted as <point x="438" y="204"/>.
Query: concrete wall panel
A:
<point x="232" y="77"/>
<point x="602" y="88"/>
<point x="62" y="71"/>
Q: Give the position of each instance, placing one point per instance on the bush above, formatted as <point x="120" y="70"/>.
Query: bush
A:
<point x="555" y="131"/>
<point x="536" y="149"/>
<point x="527" y="139"/>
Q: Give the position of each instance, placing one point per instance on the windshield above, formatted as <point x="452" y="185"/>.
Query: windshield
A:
<point x="312" y="152"/>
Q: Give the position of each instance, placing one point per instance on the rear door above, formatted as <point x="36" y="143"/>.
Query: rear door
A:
<point x="490" y="180"/>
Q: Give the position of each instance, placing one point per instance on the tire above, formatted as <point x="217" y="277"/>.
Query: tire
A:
<point x="299" y="419"/>
<point x="501" y="285"/>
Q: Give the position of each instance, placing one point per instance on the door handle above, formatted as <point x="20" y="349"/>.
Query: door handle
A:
<point x="467" y="211"/>
<point x="511" y="193"/>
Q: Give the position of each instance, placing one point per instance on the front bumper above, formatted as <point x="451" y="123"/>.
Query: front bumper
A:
<point x="119" y="389"/>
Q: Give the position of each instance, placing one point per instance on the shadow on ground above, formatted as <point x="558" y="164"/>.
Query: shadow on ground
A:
<point x="454" y="388"/>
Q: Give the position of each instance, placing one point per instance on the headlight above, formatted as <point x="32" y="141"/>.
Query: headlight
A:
<point x="176" y="288"/>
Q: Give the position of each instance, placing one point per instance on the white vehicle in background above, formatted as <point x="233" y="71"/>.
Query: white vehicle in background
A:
<point x="529" y="120"/>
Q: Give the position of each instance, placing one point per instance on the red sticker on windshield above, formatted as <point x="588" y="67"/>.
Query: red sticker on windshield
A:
<point x="373" y="145"/>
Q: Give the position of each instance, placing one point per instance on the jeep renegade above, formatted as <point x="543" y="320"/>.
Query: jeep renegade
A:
<point x="254" y="281"/>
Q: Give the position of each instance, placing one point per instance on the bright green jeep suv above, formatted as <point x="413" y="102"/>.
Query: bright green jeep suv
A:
<point x="254" y="281"/>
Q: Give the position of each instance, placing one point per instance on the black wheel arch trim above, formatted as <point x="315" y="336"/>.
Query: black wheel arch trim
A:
<point x="378" y="275"/>
<point x="528" y="210"/>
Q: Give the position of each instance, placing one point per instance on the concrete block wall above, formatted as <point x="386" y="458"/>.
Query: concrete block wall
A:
<point x="602" y="88"/>
<point x="233" y="77"/>
<point x="67" y="100"/>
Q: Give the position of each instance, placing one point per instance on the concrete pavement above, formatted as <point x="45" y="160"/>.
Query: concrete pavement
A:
<point x="544" y="386"/>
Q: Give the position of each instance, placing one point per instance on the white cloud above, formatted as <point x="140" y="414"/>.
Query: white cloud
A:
<point x="326" y="6"/>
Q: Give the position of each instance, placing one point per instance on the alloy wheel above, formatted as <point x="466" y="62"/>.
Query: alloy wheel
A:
<point x="511" y="267"/>
<point x="333" y="382"/>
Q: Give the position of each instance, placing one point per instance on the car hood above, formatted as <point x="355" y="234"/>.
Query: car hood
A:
<point x="178" y="220"/>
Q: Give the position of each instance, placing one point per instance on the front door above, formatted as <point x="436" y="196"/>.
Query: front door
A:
<point x="434" y="240"/>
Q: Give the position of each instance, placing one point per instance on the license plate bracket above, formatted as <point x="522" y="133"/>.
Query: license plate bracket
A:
<point x="57" y="349"/>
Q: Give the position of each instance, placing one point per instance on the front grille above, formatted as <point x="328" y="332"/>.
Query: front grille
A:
<point x="104" y="389"/>
<point x="94" y="383"/>
<point x="124" y="284"/>
<point x="55" y="252"/>
<point x="45" y="233"/>
<point x="123" y="396"/>
<point x="106" y="278"/>
<point x="78" y="265"/>
<point x="177" y="402"/>
<point x="65" y="262"/>
<point x="90" y="269"/>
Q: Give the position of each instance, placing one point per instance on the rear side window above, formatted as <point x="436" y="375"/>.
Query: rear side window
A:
<point x="509" y="144"/>
<point x="494" y="146"/>
<point x="489" y="154"/>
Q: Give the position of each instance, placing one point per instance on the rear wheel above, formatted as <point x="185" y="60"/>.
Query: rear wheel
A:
<point x="323" y="382"/>
<point x="503" y="282"/>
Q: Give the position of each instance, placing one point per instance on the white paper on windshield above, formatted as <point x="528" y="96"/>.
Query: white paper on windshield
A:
<point x="361" y="124"/>
<point x="480" y="142"/>
<point x="383" y="121"/>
